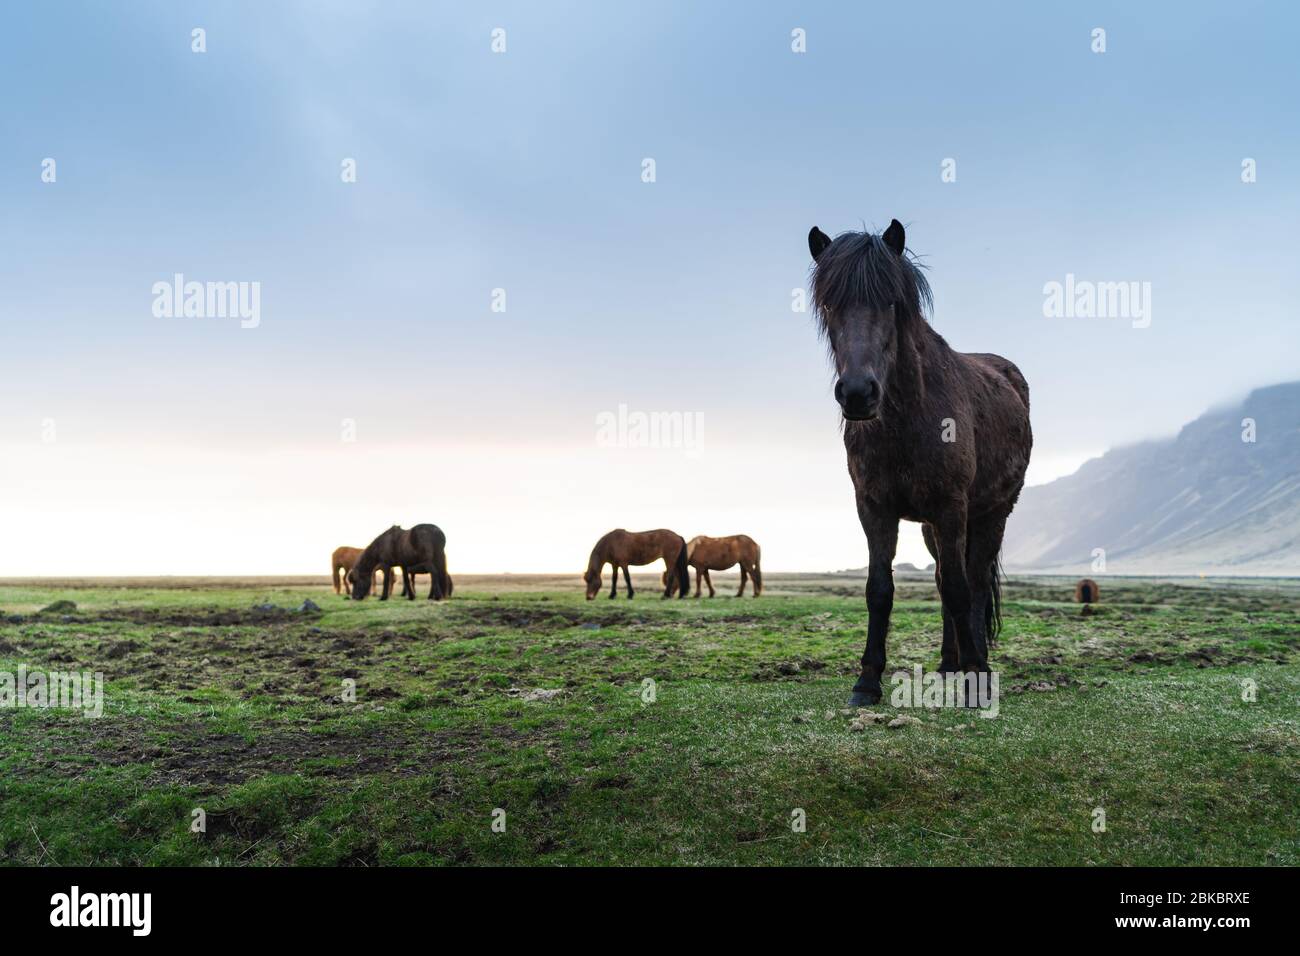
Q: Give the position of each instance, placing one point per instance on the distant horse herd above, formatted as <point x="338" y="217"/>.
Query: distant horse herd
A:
<point x="932" y="435"/>
<point x="423" y="550"/>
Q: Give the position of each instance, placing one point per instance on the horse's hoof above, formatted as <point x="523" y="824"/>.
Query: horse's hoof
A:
<point x="864" y="698"/>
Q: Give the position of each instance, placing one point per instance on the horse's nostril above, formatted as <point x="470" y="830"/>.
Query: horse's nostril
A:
<point x="839" y="391"/>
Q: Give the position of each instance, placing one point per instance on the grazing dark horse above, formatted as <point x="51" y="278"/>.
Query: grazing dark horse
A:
<point x="622" y="548"/>
<point x="423" y="546"/>
<point x="706" y="554"/>
<point x="933" y="435"/>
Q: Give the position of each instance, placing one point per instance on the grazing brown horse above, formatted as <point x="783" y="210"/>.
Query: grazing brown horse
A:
<point x="706" y="554"/>
<point x="341" y="564"/>
<point x="621" y="548"/>
<point x="422" y="547"/>
<point x="1086" y="591"/>
<point x="932" y="435"/>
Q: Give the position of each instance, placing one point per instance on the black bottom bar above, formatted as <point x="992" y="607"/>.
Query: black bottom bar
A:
<point x="233" y="905"/>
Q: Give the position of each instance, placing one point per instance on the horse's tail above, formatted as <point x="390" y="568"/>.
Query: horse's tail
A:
<point x="993" y="611"/>
<point x="683" y="572"/>
<point x="440" y="569"/>
<point x="757" y="572"/>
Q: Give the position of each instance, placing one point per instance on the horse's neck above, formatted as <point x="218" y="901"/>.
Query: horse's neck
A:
<point x="918" y="346"/>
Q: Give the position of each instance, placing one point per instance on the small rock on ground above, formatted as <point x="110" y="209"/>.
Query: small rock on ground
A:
<point x="536" y="694"/>
<point x="902" y="721"/>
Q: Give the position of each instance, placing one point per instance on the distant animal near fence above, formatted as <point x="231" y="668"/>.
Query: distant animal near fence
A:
<point x="1087" y="592"/>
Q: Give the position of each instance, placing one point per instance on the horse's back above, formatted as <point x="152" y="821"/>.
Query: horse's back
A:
<point x="1006" y="369"/>
<point x="430" y="529"/>
<point x="426" y="539"/>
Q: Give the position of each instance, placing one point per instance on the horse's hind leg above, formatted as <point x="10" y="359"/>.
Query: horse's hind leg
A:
<point x="436" y="592"/>
<point x="744" y="576"/>
<point x="956" y="588"/>
<point x="984" y="541"/>
<point x="948" y="655"/>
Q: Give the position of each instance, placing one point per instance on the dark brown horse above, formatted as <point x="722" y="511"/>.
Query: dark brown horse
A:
<point x="622" y="548"/>
<point x="422" y="547"/>
<point x="1086" y="591"/>
<point x="933" y="435"/>
<point x="706" y="554"/>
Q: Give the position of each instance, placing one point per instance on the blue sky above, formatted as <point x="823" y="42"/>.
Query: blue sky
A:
<point x="522" y="171"/>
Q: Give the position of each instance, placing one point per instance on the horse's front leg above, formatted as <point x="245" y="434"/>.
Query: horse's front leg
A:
<point x="882" y="542"/>
<point x="388" y="584"/>
<point x="627" y="579"/>
<point x="613" y="585"/>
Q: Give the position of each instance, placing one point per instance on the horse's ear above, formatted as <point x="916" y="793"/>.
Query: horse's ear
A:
<point x="817" y="242"/>
<point x="894" y="237"/>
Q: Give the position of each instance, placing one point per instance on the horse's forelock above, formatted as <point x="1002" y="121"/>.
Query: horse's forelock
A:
<point x="859" y="270"/>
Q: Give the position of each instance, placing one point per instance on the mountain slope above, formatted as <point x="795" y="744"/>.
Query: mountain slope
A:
<point x="1205" y="502"/>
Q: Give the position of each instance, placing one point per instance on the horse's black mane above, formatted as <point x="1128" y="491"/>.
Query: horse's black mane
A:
<point x="859" y="270"/>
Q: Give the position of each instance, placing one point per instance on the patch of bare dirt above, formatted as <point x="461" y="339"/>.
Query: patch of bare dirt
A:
<point x="196" y="757"/>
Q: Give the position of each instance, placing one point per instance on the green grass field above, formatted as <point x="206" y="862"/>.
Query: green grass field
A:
<point x="211" y="704"/>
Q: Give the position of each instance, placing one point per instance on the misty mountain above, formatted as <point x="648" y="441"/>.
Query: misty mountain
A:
<point x="1204" y="502"/>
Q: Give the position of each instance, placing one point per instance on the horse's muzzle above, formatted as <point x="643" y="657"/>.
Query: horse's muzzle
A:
<point x="859" y="398"/>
